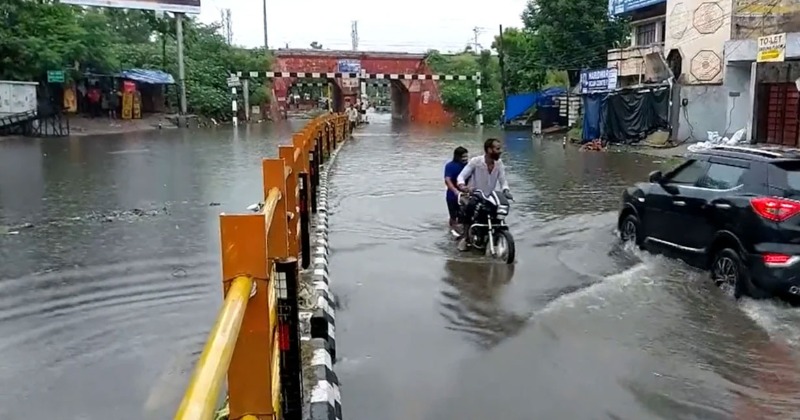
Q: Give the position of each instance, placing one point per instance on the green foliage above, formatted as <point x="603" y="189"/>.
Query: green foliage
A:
<point x="571" y="34"/>
<point x="37" y="36"/>
<point x="559" y="38"/>
<point x="459" y="96"/>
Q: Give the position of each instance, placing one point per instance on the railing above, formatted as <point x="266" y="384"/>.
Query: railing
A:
<point x="255" y="340"/>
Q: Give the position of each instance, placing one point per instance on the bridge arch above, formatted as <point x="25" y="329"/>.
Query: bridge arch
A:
<point x="414" y="89"/>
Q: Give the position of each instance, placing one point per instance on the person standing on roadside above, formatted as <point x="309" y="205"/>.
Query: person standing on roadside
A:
<point x="352" y="117"/>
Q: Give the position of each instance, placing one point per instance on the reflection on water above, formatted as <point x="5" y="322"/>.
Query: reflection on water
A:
<point x="471" y="303"/>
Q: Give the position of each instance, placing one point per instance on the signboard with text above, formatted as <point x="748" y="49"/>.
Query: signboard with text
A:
<point x="598" y="80"/>
<point x="55" y="76"/>
<point x="179" y="6"/>
<point x="771" y="48"/>
<point x="616" y="7"/>
<point x="348" y="66"/>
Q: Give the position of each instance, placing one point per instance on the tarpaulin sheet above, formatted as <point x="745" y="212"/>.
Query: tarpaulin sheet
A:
<point x="153" y="77"/>
<point x="517" y="105"/>
<point x="630" y="116"/>
<point x="592" y="106"/>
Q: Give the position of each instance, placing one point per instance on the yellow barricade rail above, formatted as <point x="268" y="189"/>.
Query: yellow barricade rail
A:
<point x="243" y="343"/>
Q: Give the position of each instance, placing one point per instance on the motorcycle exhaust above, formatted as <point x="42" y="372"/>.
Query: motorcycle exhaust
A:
<point x="794" y="290"/>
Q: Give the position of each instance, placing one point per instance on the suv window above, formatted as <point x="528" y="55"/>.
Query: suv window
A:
<point x="722" y="177"/>
<point x="785" y="176"/>
<point x="689" y="173"/>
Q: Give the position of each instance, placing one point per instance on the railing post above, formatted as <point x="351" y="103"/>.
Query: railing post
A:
<point x="313" y="159"/>
<point x="305" y="222"/>
<point x="288" y="314"/>
<point x="274" y="174"/>
<point x="244" y="251"/>
<point x="292" y="195"/>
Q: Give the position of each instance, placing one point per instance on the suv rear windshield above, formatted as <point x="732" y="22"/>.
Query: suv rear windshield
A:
<point x="785" y="177"/>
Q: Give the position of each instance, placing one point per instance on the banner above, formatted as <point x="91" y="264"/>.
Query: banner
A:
<point x="179" y="6"/>
<point x="616" y="7"/>
<point x="598" y="80"/>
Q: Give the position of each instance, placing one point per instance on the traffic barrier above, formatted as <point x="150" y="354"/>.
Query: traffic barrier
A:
<point x="255" y="340"/>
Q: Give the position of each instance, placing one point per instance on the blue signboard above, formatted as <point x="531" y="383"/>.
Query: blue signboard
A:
<point x="616" y="7"/>
<point x="598" y="80"/>
<point x="348" y="66"/>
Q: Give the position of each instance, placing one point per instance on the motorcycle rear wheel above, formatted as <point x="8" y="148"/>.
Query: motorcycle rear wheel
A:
<point x="505" y="249"/>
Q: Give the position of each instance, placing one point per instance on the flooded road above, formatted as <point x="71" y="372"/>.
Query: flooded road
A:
<point x="106" y="301"/>
<point x="579" y="328"/>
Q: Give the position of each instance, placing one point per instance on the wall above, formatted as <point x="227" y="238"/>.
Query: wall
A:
<point x="755" y="18"/>
<point x="738" y="110"/>
<point x="705" y="111"/>
<point x="698" y="29"/>
<point x="16" y="97"/>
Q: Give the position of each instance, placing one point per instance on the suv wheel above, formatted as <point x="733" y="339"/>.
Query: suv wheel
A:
<point x="729" y="273"/>
<point x="629" y="229"/>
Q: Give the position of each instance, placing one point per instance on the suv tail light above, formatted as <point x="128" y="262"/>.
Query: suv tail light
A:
<point x="774" y="208"/>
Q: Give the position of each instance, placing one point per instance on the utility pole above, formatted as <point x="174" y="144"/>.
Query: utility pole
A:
<point x="501" y="56"/>
<point x="227" y="26"/>
<point x="354" y="34"/>
<point x="266" y="40"/>
<point x="475" y="45"/>
<point x="181" y="69"/>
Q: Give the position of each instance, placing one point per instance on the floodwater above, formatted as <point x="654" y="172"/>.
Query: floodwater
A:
<point x="106" y="301"/>
<point x="578" y="328"/>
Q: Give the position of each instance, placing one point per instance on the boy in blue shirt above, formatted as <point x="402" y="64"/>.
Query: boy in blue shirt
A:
<point x="451" y="171"/>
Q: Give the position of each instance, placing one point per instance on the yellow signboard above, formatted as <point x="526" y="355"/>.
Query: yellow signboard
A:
<point x="771" y="48"/>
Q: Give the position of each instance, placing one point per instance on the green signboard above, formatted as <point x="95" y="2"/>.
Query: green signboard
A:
<point x="55" y="76"/>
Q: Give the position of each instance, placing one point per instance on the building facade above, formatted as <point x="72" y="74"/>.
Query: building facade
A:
<point x="648" y="27"/>
<point x="711" y="49"/>
<point x="767" y="101"/>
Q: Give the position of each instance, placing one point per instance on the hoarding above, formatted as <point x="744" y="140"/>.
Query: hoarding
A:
<point x="598" y="80"/>
<point x="180" y="6"/>
<point x="616" y="7"/>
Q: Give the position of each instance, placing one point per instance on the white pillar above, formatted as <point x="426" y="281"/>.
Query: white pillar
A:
<point x="478" y="101"/>
<point x="234" y="108"/>
<point x="752" y="109"/>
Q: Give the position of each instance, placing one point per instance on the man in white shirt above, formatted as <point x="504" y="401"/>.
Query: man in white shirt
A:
<point x="352" y="117"/>
<point x="484" y="173"/>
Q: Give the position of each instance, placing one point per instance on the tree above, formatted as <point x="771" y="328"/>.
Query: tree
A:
<point x="572" y="34"/>
<point x="519" y="53"/>
<point x="316" y="45"/>
<point x="459" y="96"/>
<point x="37" y="36"/>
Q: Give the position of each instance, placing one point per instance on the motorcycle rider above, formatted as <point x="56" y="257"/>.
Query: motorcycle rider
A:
<point x="483" y="172"/>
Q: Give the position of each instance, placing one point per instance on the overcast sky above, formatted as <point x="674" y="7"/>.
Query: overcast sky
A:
<point x="410" y="25"/>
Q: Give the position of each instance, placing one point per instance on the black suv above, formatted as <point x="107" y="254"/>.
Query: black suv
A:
<point x="734" y="210"/>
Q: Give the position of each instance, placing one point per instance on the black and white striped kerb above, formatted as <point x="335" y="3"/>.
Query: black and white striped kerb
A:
<point x="325" y="396"/>
<point x="337" y="75"/>
<point x="326" y="401"/>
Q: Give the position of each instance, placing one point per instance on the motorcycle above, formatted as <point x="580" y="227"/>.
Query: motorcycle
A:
<point x="488" y="231"/>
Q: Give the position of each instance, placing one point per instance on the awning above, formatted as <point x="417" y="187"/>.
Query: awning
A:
<point x="153" y="77"/>
<point x="517" y="105"/>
